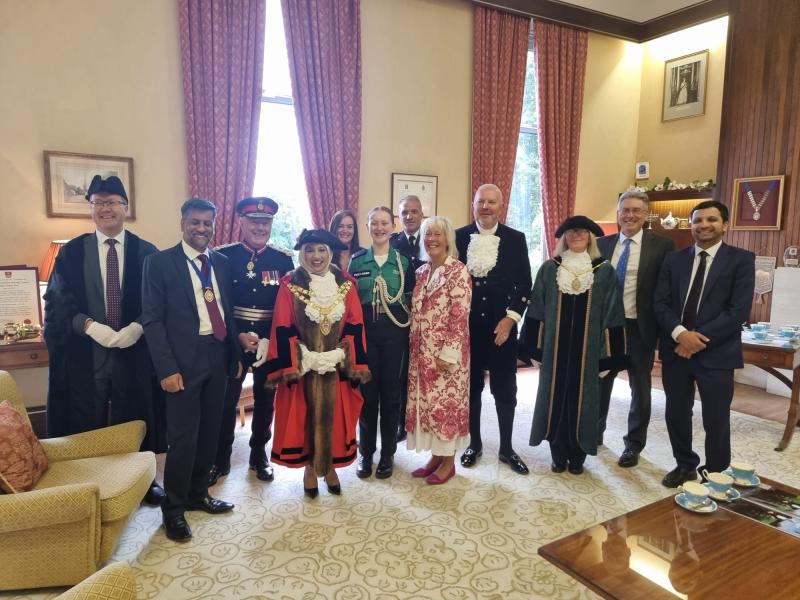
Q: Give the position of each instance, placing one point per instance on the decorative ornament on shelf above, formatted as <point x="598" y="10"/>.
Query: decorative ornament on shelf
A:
<point x="669" y="222"/>
<point x="14" y="332"/>
<point x="669" y="185"/>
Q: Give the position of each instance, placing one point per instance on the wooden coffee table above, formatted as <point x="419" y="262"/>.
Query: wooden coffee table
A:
<point x="662" y="551"/>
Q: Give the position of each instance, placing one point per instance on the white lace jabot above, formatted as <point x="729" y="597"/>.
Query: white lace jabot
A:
<point x="324" y="292"/>
<point x="575" y="275"/>
<point x="482" y="254"/>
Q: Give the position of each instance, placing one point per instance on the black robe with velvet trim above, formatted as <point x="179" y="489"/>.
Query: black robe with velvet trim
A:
<point x="71" y="378"/>
<point x="575" y="337"/>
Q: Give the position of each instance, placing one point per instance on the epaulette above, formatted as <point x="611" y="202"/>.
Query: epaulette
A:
<point x="231" y="245"/>
<point x="361" y="252"/>
<point x="281" y="249"/>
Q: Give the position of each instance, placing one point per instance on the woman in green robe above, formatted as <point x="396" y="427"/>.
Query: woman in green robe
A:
<point x="575" y="327"/>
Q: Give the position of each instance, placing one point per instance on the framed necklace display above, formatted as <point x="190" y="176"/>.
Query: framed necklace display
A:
<point x="757" y="203"/>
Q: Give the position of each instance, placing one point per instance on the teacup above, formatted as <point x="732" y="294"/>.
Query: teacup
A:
<point x="718" y="482"/>
<point x="766" y="324"/>
<point x="695" y="493"/>
<point x="758" y="327"/>
<point x="760" y="334"/>
<point x="787" y="332"/>
<point x="742" y="470"/>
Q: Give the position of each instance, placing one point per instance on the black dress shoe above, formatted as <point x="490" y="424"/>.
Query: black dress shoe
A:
<point x="211" y="505"/>
<point x="575" y="468"/>
<point x="628" y="458"/>
<point x="155" y="495"/>
<point x="677" y="476"/>
<point x="385" y="468"/>
<point x="364" y="468"/>
<point x="470" y="457"/>
<point x="216" y="472"/>
<point x="558" y="467"/>
<point x="515" y="462"/>
<point x="263" y="469"/>
<point x="177" y="529"/>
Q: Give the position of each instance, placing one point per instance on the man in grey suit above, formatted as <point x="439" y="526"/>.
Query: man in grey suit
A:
<point x="100" y="369"/>
<point x="636" y="254"/>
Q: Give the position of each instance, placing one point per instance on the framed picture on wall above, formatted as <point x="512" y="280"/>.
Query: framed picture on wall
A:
<point x="757" y="203"/>
<point x="422" y="186"/>
<point x="642" y="170"/>
<point x="67" y="176"/>
<point x="685" y="86"/>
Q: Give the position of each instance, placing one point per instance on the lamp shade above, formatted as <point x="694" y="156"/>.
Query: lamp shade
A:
<point x="49" y="260"/>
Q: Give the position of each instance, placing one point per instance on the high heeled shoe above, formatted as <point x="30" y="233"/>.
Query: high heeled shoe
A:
<point x="434" y="479"/>
<point x="311" y="492"/>
<point x="426" y="470"/>
<point x="334" y="488"/>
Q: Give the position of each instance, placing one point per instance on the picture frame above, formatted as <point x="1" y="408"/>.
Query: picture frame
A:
<point x="20" y="298"/>
<point x="757" y="203"/>
<point x="67" y="176"/>
<point x="684" y="94"/>
<point x="423" y="186"/>
<point x="642" y="170"/>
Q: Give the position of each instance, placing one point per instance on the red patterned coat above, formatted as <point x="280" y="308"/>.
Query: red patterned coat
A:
<point x="438" y="400"/>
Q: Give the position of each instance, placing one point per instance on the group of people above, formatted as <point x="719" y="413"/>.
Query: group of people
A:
<point x="395" y="337"/>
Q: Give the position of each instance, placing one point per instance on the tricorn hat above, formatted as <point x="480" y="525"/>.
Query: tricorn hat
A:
<point x="257" y="208"/>
<point x="319" y="236"/>
<point x="109" y="185"/>
<point x="579" y="222"/>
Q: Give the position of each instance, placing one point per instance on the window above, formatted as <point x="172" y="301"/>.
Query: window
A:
<point x="525" y="202"/>
<point x="279" y="164"/>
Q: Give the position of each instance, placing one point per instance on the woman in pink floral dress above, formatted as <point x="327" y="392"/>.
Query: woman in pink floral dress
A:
<point x="437" y="417"/>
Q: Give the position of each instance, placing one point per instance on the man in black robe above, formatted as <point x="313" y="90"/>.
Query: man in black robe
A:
<point x="100" y="368"/>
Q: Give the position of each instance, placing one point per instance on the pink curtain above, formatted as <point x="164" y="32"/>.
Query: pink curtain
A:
<point x="323" y="38"/>
<point x="222" y="51"/>
<point x="499" y="57"/>
<point x="560" y="69"/>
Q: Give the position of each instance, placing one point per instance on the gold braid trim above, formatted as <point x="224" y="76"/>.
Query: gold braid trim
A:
<point x="380" y="292"/>
<point x="304" y="296"/>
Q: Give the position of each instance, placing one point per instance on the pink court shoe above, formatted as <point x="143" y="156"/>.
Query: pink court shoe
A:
<point x="426" y="470"/>
<point x="434" y="479"/>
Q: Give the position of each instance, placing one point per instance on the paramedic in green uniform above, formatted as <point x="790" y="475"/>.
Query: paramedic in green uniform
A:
<point x="385" y="283"/>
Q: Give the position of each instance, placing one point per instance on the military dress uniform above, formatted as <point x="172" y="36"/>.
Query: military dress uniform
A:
<point x="256" y="278"/>
<point x="386" y="327"/>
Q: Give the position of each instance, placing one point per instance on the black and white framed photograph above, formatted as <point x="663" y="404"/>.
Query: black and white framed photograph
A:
<point x="422" y="186"/>
<point x="685" y="86"/>
<point x="67" y="176"/>
<point x="642" y="170"/>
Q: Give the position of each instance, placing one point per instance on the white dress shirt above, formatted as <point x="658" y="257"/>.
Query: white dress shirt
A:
<point x="632" y="272"/>
<point x="102" y="250"/>
<point x="712" y="252"/>
<point x="202" y="308"/>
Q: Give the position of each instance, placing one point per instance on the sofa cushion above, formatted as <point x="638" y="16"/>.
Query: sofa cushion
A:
<point x="123" y="480"/>
<point x="22" y="459"/>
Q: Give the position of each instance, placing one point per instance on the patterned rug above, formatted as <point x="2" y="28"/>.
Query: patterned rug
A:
<point x="474" y="537"/>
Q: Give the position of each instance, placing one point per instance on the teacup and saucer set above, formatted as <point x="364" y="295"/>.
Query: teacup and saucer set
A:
<point x="696" y="498"/>
<point x="744" y="474"/>
<point x="720" y="486"/>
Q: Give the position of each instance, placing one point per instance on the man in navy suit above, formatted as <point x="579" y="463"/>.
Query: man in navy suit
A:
<point x="703" y="296"/>
<point x="187" y="315"/>
<point x="636" y="254"/>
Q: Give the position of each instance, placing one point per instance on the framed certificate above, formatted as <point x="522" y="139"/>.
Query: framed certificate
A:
<point x="422" y="186"/>
<point x="19" y="295"/>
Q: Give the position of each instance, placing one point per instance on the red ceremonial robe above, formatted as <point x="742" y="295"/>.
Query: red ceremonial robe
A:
<point x="316" y="415"/>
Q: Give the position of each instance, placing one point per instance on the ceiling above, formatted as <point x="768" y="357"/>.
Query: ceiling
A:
<point x="634" y="10"/>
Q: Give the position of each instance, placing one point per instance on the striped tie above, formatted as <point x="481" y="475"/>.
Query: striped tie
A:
<point x="113" y="292"/>
<point x="622" y="264"/>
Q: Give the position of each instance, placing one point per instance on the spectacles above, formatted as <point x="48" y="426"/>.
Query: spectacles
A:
<point x="107" y="203"/>
<point x="631" y="211"/>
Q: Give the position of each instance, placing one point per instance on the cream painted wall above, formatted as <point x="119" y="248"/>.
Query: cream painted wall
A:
<point x="609" y="124"/>
<point x="686" y="149"/>
<point x="417" y="99"/>
<point x="91" y="76"/>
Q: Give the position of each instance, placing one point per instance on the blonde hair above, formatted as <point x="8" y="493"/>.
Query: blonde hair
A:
<point x="592" y="249"/>
<point x="444" y="224"/>
<point x="378" y="209"/>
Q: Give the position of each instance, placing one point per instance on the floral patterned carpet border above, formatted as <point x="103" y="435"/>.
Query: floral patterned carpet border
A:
<point x="475" y="537"/>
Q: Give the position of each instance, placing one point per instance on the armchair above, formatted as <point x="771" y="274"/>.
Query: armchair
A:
<point x="68" y="525"/>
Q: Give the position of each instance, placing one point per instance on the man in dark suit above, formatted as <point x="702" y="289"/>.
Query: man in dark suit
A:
<point x="497" y="259"/>
<point x="636" y="254"/>
<point x="187" y="316"/>
<point x="100" y="369"/>
<point x="407" y="242"/>
<point x="703" y="296"/>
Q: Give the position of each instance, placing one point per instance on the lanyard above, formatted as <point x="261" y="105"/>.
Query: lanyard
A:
<point x="204" y="281"/>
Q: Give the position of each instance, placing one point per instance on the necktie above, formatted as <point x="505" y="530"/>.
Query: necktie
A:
<point x="622" y="263"/>
<point x="217" y="324"/>
<point x="113" y="292"/>
<point x="693" y="299"/>
<point x="412" y="239"/>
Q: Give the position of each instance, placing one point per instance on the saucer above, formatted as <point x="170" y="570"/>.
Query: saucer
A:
<point x="729" y="496"/>
<point x="709" y="507"/>
<point x="749" y="482"/>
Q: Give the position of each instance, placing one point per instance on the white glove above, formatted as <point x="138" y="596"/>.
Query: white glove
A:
<point x="128" y="335"/>
<point x="261" y="352"/>
<point x="251" y="334"/>
<point x="102" y="334"/>
<point x="321" y="362"/>
<point x="604" y="373"/>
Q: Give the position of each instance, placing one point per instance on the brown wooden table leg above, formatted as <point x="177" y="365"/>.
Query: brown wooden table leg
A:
<point x="791" y="417"/>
